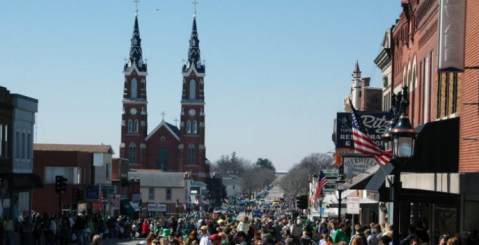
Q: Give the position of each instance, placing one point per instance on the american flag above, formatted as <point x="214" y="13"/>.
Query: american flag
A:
<point x="115" y="201"/>
<point x="226" y="201"/>
<point x="184" y="206"/>
<point x="4" y="187"/>
<point x="363" y="143"/>
<point x="322" y="182"/>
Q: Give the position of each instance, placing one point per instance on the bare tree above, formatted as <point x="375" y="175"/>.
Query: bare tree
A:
<point x="228" y="165"/>
<point x="256" y="179"/>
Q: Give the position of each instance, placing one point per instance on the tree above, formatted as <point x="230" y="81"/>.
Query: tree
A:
<point x="231" y="165"/>
<point x="265" y="163"/>
<point x="256" y="179"/>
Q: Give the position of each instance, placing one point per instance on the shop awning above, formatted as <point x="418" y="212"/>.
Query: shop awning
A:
<point x="22" y="180"/>
<point x="360" y="181"/>
<point x="419" y="196"/>
<point x="126" y="208"/>
<point x="378" y="179"/>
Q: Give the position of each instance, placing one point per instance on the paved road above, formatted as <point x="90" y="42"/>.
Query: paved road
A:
<point x="121" y="242"/>
<point x="275" y="193"/>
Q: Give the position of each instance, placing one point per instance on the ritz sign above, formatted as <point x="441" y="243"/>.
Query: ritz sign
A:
<point x="375" y="123"/>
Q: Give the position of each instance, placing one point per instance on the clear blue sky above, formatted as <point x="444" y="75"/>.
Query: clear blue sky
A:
<point x="276" y="71"/>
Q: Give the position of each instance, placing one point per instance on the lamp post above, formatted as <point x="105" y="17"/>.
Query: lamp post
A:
<point x="104" y="200"/>
<point x="399" y="138"/>
<point x="340" y="187"/>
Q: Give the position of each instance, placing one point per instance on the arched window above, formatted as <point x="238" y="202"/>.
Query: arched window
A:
<point x="17" y="139"/>
<point x="136" y="126"/>
<point x="192" y="90"/>
<point x="188" y="127"/>
<point x="162" y="162"/>
<point x="132" y="153"/>
<point x="191" y="154"/>
<point x="195" y="127"/>
<point x="24" y="147"/>
<point x="130" y="126"/>
<point x="134" y="88"/>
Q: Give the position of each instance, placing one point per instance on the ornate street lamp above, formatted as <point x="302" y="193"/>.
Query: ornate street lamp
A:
<point x="340" y="187"/>
<point x="403" y="138"/>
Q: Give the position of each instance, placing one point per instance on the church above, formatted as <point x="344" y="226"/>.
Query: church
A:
<point x="166" y="147"/>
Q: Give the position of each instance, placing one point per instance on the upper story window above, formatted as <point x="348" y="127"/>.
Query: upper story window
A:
<point x="136" y="126"/>
<point x="130" y="126"/>
<point x="192" y="90"/>
<point x="195" y="127"/>
<point x="134" y="88"/>
<point x="151" y="194"/>
<point x="24" y="147"/>
<point x="132" y="153"/>
<point x="191" y="154"/>
<point x="168" y="194"/>
<point x="188" y="127"/>
<point x="1" y="140"/>
<point x="72" y="174"/>
<point x="107" y="171"/>
<point x="17" y="148"/>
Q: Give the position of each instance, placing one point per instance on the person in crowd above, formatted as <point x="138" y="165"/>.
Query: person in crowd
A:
<point x="340" y="234"/>
<point x="96" y="240"/>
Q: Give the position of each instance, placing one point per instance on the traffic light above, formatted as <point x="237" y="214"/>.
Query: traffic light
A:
<point x="75" y="195"/>
<point x="60" y="184"/>
<point x="301" y="202"/>
<point x="80" y="195"/>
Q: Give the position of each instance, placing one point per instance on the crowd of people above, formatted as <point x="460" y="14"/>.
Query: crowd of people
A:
<point x="273" y="227"/>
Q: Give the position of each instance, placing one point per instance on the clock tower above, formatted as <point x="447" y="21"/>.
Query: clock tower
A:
<point x="134" y="113"/>
<point x="192" y="150"/>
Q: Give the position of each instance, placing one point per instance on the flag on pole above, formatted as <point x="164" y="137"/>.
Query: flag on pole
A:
<point x="197" y="201"/>
<point x="115" y="201"/>
<point x="226" y="201"/>
<point x="363" y="143"/>
<point x="184" y="206"/>
<point x="322" y="182"/>
<point x="4" y="187"/>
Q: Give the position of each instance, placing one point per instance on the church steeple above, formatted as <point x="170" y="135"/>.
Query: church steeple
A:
<point x="136" y="54"/>
<point x="356" y="71"/>
<point x="194" y="53"/>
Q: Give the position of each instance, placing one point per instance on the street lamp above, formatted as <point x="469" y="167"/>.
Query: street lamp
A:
<point x="340" y="187"/>
<point x="104" y="200"/>
<point x="401" y="140"/>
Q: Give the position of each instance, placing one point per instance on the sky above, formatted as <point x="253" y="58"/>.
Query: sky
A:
<point x="277" y="72"/>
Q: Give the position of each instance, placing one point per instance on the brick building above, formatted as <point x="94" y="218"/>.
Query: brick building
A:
<point x="167" y="147"/>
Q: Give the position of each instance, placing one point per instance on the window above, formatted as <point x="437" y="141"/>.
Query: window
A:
<point x="6" y="141"/>
<point x="439" y="93"/>
<point x="72" y="174"/>
<point x="233" y="187"/>
<point x="107" y="171"/>
<point x="162" y="159"/>
<point x="1" y="140"/>
<point x="426" y="90"/>
<point x="188" y="127"/>
<point x="136" y="126"/>
<point x="134" y="86"/>
<point x="132" y="153"/>
<point x="24" y="145"/>
<point x="195" y="127"/>
<point x="29" y="145"/>
<point x="168" y="194"/>
<point x="130" y="126"/>
<point x="151" y="194"/>
<point x="17" y="150"/>
<point x="192" y="90"/>
<point x="191" y="155"/>
<point x="454" y="93"/>
<point x="446" y="95"/>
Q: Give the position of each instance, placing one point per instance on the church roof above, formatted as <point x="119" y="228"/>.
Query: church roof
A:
<point x="194" y="53"/>
<point x="173" y="128"/>
<point x="67" y="147"/>
<point x="136" y="53"/>
<point x="157" y="178"/>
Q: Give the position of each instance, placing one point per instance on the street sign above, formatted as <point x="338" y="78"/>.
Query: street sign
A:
<point x="352" y="206"/>
<point x="156" y="207"/>
<point x="92" y="193"/>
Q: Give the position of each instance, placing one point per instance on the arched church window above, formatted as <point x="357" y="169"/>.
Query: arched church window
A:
<point x="132" y="153"/>
<point x="192" y="90"/>
<point x="195" y="127"/>
<point x="134" y="90"/>
<point x="130" y="126"/>
<point x="188" y="127"/>
<point x="162" y="162"/>
<point x="137" y="126"/>
<point x="191" y="154"/>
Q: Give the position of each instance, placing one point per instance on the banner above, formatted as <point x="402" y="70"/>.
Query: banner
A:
<point x="452" y="19"/>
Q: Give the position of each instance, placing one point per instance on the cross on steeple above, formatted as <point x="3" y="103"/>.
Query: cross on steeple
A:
<point x="194" y="6"/>
<point x="176" y="122"/>
<point x="163" y="114"/>
<point x="136" y="4"/>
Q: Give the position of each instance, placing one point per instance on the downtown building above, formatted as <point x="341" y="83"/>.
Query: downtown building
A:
<point x="433" y="49"/>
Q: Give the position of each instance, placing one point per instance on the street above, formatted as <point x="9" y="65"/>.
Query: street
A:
<point x="122" y="242"/>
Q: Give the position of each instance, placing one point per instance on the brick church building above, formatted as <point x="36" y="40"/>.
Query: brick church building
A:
<point x="166" y="147"/>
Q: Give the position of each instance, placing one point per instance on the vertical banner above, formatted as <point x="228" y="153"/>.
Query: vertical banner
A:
<point x="452" y="19"/>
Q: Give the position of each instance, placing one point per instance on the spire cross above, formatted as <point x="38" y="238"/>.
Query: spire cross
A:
<point x="136" y="3"/>
<point x="176" y="122"/>
<point x="194" y="7"/>
<point x="163" y="114"/>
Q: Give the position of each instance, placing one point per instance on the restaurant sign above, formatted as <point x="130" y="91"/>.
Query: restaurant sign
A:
<point x="374" y="122"/>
